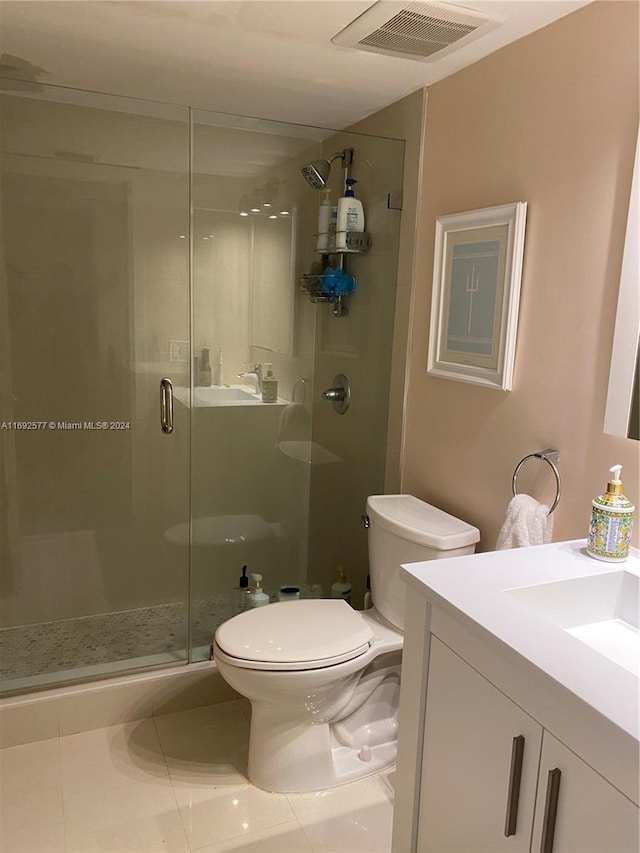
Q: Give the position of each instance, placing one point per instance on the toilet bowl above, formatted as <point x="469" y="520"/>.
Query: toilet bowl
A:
<point x="323" y="679"/>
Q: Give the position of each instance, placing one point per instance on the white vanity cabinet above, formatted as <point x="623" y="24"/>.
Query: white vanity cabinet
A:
<point x="481" y="767"/>
<point x="516" y="732"/>
<point x="469" y="779"/>
<point x="592" y="816"/>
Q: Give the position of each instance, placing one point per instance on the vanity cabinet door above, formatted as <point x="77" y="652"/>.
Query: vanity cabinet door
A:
<point x="591" y="816"/>
<point x="468" y="772"/>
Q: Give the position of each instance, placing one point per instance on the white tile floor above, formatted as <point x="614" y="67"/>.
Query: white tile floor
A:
<point x="176" y="783"/>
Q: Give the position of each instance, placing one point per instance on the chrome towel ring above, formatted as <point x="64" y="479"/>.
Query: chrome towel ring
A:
<point x="550" y="456"/>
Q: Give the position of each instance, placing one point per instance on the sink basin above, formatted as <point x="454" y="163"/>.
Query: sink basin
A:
<point x="569" y="617"/>
<point x="601" y="610"/>
<point x="213" y="395"/>
<point x="222" y="395"/>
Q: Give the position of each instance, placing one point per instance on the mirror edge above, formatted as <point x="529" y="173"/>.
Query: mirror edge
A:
<point x="624" y="353"/>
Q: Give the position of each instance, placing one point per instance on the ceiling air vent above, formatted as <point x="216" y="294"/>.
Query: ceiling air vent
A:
<point x="420" y="31"/>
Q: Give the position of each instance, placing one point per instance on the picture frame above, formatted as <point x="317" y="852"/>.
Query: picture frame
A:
<point x="476" y="295"/>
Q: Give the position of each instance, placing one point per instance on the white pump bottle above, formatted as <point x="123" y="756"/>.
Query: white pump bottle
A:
<point x="257" y="597"/>
<point x="324" y="218"/>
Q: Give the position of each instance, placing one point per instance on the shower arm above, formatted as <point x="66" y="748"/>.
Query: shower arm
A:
<point x="346" y="155"/>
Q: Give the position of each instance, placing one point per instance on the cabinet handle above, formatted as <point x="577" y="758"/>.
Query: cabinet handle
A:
<point x="166" y="405"/>
<point x="515" y="777"/>
<point x="550" y="810"/>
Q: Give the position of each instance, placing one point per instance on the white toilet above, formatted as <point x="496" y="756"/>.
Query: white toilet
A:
<point x="324" y="679"/>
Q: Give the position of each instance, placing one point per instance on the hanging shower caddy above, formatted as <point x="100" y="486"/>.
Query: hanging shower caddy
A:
<point x="335" y="286"/>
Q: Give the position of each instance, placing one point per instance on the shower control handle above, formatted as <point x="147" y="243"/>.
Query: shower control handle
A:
<point x="166" y="405"/>
<point x="334" y="395"/>
<point x="339" y="394"/>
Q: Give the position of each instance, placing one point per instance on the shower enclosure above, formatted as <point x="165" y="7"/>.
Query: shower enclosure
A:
<point x="141" y="242"/>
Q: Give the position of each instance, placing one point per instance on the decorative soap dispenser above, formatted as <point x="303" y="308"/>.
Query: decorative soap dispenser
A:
<point x="611" y="522"/>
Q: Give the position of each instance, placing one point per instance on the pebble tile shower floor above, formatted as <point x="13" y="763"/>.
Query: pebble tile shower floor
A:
<point x="27" y="651"/>
<point x="176" y="783"/>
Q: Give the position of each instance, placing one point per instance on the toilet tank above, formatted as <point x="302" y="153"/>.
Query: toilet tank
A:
<point x="404" y="529"/>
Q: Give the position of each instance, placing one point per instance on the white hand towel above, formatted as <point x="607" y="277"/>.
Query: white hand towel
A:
<point x="527" y="523"/>
<point x="294" y="423"/>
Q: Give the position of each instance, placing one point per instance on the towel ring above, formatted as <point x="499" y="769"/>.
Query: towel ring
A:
<point x="550" y="456"/>
<point x="303" y="384"/>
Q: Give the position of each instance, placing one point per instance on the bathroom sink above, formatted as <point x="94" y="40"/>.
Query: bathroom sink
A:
<point x="574" y="619"/>
<point x="600" y="610"/>
<point x="217" y="395"/>
<point x="222" y="395"/>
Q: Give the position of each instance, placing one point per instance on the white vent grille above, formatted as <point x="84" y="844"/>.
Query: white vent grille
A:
<point x="420" y="31"/>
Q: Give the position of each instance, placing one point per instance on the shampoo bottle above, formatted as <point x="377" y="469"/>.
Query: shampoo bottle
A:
<point x="324" y="219"/>
<point x="350" y="216"/>
<point x="205" y="368"/>
<point x="257" y="597"/>
<point x="220" y="370"/>
<point x="341" y="588"/>
<point x="611" y="522"/>
<point x="331" y="246"/>
<point x="269" y="386"/>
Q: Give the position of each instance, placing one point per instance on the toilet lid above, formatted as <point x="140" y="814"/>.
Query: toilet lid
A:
<point x="305" y="634"/>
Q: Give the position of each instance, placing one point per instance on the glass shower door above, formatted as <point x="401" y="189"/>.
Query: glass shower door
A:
<point x="94" y="312"/>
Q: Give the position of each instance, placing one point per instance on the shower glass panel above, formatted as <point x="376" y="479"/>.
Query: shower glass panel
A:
<point x="249" y="498"/>
<point x="94" y="311"/>
<point x="280" y="487"/>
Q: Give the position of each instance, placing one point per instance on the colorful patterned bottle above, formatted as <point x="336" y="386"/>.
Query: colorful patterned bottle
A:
<point x="611" y="522"/>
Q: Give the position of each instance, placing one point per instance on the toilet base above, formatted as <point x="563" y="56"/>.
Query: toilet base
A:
<point x="286" y="756"/>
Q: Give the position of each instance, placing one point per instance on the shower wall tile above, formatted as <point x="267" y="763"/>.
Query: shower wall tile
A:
<point x="26" y="720"/>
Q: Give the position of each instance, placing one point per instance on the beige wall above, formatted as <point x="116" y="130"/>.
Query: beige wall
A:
<point x="550" y="120"/>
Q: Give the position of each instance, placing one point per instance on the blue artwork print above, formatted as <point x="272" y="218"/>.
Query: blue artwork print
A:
<point x="472" y="297"/>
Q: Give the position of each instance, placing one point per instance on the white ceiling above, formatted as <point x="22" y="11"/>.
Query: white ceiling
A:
<point x="268" y="58"/>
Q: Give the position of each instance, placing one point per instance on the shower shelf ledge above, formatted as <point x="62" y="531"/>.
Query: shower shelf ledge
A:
<point x="357" y="243"/>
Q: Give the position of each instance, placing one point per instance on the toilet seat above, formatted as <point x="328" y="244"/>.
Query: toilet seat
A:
<point x="295" y="635"/>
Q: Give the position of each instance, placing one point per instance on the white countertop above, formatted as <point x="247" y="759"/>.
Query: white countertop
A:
<point x="214" y="396"/>
<point x="480" y="588"/>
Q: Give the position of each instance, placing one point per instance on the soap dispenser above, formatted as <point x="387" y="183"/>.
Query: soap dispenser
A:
<point x="611" y="522"/>
<point x="257" y="597"/>
<point x="269" y="386"/>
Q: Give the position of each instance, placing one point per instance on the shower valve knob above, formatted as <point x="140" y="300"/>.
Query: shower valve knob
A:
<point x="339" y="394"/>
<point x="334" y="395"/>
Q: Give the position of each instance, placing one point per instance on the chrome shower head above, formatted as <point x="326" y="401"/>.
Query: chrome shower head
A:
<point x="316" y="173"/>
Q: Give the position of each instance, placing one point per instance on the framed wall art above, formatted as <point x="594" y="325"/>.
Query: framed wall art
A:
<point x="476" y="295"/>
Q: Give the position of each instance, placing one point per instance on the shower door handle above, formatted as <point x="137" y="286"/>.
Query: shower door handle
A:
<point x="166" y="405"/>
